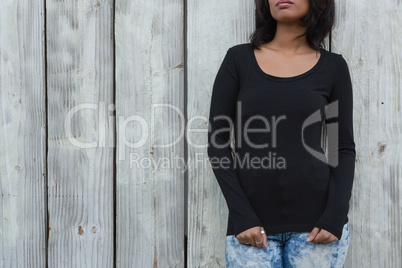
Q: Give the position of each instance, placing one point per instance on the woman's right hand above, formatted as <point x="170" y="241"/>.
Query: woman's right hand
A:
<point x="252" y="236"/>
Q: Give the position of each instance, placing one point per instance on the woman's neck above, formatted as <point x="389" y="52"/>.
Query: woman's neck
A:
<point x="285" y="38"/>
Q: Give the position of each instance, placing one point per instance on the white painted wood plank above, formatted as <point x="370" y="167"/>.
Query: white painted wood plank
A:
<point x="80" y="71"/>
<point x="212" y="27"/>
<point x="369" y="36"/>
<point x="149" y="71"/>
<point x="22" y="134"/>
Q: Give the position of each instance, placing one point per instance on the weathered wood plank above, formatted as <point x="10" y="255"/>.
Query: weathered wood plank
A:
<point x="80" y="71"/>
<point x="22" y="135"/>
<point x="149" y="71"/>
<point x="213" y="26"/>
<point x="368" y="35"/>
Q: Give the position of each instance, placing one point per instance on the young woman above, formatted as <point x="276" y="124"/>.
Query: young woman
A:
<point x="288" y="204"/>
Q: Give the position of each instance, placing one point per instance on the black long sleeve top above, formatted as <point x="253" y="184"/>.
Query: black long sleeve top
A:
<point x="277" y="175"/>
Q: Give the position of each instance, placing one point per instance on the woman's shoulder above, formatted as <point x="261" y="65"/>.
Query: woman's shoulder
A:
<point x="333" y="55"/>
<point x="239" y="53"/>
<point x="239" y="49"/>
<point x="336" y="59"/>
<point x="241" y="46"/>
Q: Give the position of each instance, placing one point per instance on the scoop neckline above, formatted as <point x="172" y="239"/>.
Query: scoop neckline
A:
<point x="289" y="78"/>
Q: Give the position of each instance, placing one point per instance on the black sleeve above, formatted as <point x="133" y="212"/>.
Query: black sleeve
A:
<point x="341" y="151"/>
<point x="221" y="119"/>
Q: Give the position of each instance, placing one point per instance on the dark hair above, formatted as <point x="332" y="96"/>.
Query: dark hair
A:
<point x="318" y="21"/>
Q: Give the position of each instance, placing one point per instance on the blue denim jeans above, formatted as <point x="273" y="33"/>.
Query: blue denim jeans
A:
<point x="288" y="249"/>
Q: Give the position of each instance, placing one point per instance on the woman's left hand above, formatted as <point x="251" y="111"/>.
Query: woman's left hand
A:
<point x="321" y="235"/>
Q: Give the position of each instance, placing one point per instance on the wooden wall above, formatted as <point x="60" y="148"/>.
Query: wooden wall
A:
<point x="370" y="38"/>
<point x="23" y="127"/>
<point x="90" y="90"/>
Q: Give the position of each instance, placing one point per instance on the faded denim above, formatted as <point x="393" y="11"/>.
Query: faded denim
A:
<point x="288" y="249"/>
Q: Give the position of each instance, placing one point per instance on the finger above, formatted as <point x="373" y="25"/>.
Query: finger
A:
<point x="321" y="237"/>
<point x="245" y="242"/>
<point x="317" y="238"/>
<point x="313" y="234"/>
<point x="265" y="242"/>
<point x="264" y="236"/>
<point x="252" y="242"/>
<point x="259" y="240"/>
<point x="240" y="240"/>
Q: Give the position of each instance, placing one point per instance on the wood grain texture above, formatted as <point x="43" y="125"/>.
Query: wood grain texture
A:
<point x="150" y="194"/>
<point x="369" y="36"/>
<point x="212" y="27"/>
<point x="80" y="180"/>
<point x="22" y="134"/>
